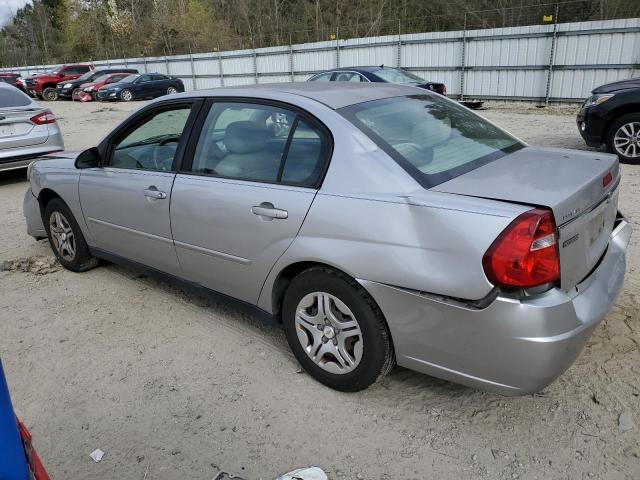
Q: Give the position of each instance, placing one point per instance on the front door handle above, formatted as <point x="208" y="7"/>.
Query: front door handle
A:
<point x="153" y="192"/>
<point x="266" y="209"/>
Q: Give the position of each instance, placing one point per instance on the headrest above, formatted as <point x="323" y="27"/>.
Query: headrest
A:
<point x="432" y="132"/>
<point x="245" y="137"/>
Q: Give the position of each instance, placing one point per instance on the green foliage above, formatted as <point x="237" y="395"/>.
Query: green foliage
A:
<point x="56" y="31"/>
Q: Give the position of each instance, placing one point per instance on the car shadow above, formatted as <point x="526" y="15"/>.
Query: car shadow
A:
<point x="13" y="176"/>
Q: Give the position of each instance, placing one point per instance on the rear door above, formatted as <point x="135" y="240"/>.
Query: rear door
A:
<point x="126" y="201"/>
<point x="16" y="127"/>
<point x="241" y="200"/>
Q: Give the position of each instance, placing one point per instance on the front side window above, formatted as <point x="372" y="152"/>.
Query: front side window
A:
<point x="433" y="138"/>
<point x="262" y="143"/>
<point x="153" y="144"/>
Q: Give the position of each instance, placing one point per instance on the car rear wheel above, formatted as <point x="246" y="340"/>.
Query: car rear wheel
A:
<point x="50" y="94"/>
<point x="336" y="330"/>
<point x="66" y="239"/>
<point x="172" y="90"/>
<point x="126" y="95"/>
<point x="623" y="138"/>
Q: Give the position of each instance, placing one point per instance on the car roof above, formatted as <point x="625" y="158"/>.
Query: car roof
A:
<point x="332" y="94"/>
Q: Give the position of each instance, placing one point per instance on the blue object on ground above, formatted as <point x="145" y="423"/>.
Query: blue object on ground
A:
<point x="13" y="462"/>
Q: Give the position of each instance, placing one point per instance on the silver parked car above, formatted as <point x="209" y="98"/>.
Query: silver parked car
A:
<point x="380" y="224"/>
<point x="27" y="130"/>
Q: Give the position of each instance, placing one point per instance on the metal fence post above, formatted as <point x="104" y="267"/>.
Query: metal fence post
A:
<point x="293" y="75"/>
<point x="144" y="61"/>
<point x="337" y="47"/>
<point x="220" y="67"/>
<point x="193" y="69"/>
<point x="166" y="63"/>
<point x="399" y="51"/>
<point x="464" y="57"/>
<point x="551" y="56"/>
<point x="255" y="59"/>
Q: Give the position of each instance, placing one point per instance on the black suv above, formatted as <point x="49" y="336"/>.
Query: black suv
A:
<point x="65" y="89"/>
<point x="612" y="116"/>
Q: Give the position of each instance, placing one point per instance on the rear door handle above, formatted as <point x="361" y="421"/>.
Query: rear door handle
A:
<point x="266" y="209"/>
<point x="153" y="192"/>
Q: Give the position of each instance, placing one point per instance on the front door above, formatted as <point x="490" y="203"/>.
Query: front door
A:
<point x="126" y="201"/>
<point x="253" y="176"/>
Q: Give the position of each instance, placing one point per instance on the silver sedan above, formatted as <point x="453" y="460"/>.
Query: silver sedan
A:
<point x="380" y="224"/>
<point x="27" y="130"/>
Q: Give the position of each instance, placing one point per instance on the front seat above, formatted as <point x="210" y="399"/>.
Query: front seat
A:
<point x="248" y="155"/>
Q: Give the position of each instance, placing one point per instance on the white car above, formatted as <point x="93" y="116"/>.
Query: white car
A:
<point x="27" y="130"/>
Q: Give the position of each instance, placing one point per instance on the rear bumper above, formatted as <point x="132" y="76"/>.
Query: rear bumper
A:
<point x="32" y="215"/>
<point x="513" y="346"/>
<point x="20" y="157"/>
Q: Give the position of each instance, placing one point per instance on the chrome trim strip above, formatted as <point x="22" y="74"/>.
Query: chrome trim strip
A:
<point x="213" y="253"/>
<point x="131" y="230"/>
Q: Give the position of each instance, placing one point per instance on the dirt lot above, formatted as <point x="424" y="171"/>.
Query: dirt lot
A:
<point x="173" y="385"/>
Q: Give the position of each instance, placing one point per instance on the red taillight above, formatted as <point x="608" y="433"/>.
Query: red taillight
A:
<point x="43" y="118"/>
<point x="525" y="254"/>
<point x="606" y="180"/>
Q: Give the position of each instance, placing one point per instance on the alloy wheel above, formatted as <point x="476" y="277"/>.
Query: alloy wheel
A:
<point x="62" y="236"/>
<point x="329" y="332"/>
<point x="627" y="140"/>
<point x="126" y="95"/>
<point x="172" y="90"/>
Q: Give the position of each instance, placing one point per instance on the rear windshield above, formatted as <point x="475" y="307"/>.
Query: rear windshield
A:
<point x="12" y="97"/>
<point x="392" y="75"/>
<point x="433" y="138"/>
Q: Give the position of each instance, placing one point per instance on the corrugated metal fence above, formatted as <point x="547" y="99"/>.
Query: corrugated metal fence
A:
<point x="555" y="62"/>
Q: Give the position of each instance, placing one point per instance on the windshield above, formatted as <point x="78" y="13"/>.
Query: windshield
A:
<point x="393" y="75"/>
<point x="433" y="138"/>
<point x="86" y="76"/>
<point x="53" y="71"/>
<point x="101" y="78"/>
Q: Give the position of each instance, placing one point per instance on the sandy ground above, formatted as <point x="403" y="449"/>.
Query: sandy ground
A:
<point x="174" y="385"/>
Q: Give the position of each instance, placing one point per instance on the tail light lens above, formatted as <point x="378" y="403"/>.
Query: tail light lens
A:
<point x="525" y="254"/>
<point x="43" y="118"/>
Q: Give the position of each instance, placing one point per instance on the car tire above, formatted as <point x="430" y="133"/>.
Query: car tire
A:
<point x="171" y="90"/>
<point x="73" y="92"/>
<point x="126" y="95"/>
<point x="623" y="138"/>
<point x="50" y="94"/>
<point x="351" y="357"/>
<point x="94" y="96"/>
<point x="66" y="239"/>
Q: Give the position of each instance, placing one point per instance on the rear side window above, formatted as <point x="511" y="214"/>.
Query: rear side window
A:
<point x="432" y="138"/>
<point x="12" y="97"/>
<point x="323" y="77"/>
<point x="261" y="143"/>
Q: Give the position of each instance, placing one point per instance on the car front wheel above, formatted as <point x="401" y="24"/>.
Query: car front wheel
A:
<point x="623" y="138"/>
<point x="50" y="94"/>
<point x="66" y="239"/>
<point x="126" y="95"/>
<point x="336" y="330"/>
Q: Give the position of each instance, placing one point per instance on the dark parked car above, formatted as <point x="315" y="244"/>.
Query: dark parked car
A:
<point x="147" y="85"/>
<point x="66" y="89"/>
<point x="611" y="115"/>
<point x="378" y="74"/>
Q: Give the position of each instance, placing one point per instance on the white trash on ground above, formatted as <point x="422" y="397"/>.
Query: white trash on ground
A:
<point x="97" y="455"/>
<point x="309" y="473"/>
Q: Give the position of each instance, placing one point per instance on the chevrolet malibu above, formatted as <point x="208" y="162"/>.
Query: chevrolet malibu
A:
<point x="380" y="224"/>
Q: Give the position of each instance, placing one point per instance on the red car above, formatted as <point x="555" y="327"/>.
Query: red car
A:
<point x="88" y="91"/>
<point x="43" y="85"/>
<point x="12" y="79"/>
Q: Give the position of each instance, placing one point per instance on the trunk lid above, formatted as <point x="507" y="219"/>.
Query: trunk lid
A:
<point x="575" y="185"/>
<point x="16" y="127"/>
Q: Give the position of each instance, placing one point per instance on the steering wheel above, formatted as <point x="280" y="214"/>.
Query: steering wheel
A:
<point x="156" y="151"/>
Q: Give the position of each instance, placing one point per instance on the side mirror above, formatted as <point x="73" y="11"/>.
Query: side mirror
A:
<point x="90" y="158"/>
